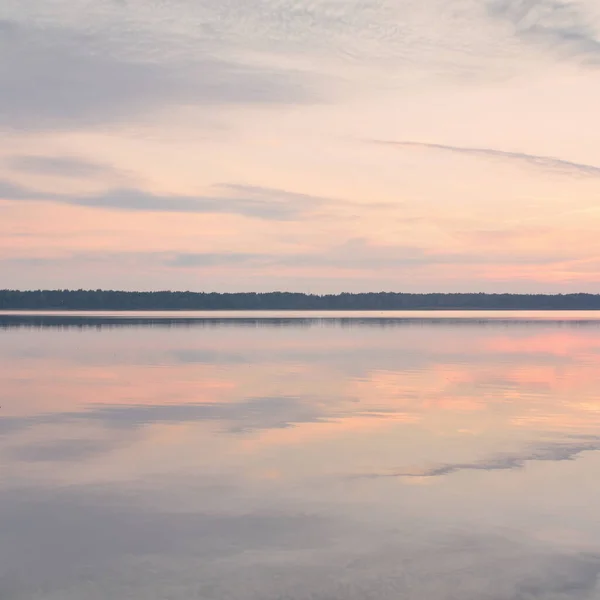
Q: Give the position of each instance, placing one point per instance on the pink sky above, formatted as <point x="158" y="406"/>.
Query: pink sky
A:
<point x="320" y="146"/>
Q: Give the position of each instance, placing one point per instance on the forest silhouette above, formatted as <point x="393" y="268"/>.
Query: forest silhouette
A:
<point x="169" y="300"/>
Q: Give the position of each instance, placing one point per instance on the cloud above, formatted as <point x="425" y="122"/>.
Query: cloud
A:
<point x="249" y="201"/>
<point x="13" y="191"/>
<point x="353" y="255"/>
<point x="245" y="415"/>
<point x="63" y="75"/>
<point x="360" y="254"/>
<point x="562" y="26"/>
<point x="56" y="78"/>
<point x="356" y="254"/>
<point x="506" y="462"/>
<point x="214" y="259"/>
<point x="59" y="451"/>
<point x="272" y="206"/>
<point x="61" y="166"/>
<point x="242" y="416"/>
<point x="546" y="163"/>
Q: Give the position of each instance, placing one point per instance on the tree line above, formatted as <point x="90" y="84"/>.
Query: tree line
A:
<point x="167" y="300"/>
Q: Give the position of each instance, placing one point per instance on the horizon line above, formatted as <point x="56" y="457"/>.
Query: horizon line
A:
<point x="165" y="291"/>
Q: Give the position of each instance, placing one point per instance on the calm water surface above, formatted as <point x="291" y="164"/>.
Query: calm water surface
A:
<point x="289" y="456"/>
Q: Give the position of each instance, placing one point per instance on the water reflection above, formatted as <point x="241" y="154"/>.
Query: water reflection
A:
<point x="99" y="319"/>
<point x="301" y="457"/>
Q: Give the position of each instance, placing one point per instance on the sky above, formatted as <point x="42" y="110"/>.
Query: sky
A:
<point x="306" y="145"/>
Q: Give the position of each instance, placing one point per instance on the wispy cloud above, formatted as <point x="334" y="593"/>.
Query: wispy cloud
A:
<point x="505" y="462"/>
<point x="247" y="414"/>
<point x="218" y="259"/>
<point x="355" y="255"/>
<point x="59" y="451"/>
<point x="565" y="27"/>
<point x="14" y="191"/>
<point x="249" y="201"/>
<point x="62" y="78"/>
<point x="547" y="163"/>
<point x="60" y="166"/>
<point x="360" y="253"/>
<point x="278" y="208"/>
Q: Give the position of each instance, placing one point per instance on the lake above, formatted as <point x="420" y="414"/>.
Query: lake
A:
<point x="300" y="456"/>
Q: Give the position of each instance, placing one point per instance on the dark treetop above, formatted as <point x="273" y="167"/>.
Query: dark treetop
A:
<point x="116" y="300"/>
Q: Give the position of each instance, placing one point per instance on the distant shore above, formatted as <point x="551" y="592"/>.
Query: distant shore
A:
<point x="110" y="300"/>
